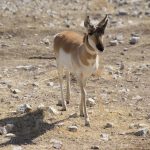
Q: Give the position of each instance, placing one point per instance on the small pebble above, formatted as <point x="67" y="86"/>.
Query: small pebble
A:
<point x="142" y="132"/>
<point x="113" y="42"/>
<point x="56" y="144"/>
<point x="73" y="128"/>
<point x="108" y="125"/>
<point x="90" y="102"/>
<point x="95" y="147"/>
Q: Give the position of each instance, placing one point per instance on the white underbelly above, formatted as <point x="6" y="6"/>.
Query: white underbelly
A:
<point x="74" y="65"/>
<point x="64" y="59"/>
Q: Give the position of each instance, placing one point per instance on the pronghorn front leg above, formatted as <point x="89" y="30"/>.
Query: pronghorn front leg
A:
<point x="83" y="110"/>
<point x="60" y="75"/>
<point x="68" y="87"/>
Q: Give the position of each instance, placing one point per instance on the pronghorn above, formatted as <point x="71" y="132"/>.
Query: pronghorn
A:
<point x="79" y="55"/>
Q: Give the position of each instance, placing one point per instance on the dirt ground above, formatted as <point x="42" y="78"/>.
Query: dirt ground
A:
<point x="121" y="88"/>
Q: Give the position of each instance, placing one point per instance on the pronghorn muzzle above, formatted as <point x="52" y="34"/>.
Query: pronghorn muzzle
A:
<point x="100" y="47"/>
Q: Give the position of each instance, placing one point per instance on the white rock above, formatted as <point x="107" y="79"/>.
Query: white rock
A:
<point x="74" y="115"/>
<point x="73" y="128"/>
<point x="24" y="108"/>
<point x="46" y="41"/>
<point x="90" y="102"/>
<point x="3" y="130"/>
<point x="56" y="144"/>
<point x="41" y="106"/>
<point x="138" y="98"/>
<point x="15" y="91"/>
<point x="53" y="111"/>
<point x="113" y="42"/>
<point x="17" y="148"/>
<point x="10" y="135"/>
<point x="50" y="84"/>
<point x="27" y="67"/>
<point x="104" y="137"/>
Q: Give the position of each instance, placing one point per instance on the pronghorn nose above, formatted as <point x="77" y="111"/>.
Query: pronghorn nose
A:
<point x="100" y="47"/>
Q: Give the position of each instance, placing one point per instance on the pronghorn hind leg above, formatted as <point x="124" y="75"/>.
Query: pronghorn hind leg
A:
<point x="68" y="87"/>
<point x="60" y="75"/>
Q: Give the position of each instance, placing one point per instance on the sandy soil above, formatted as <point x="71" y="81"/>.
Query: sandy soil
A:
<point x="121" y="94"/>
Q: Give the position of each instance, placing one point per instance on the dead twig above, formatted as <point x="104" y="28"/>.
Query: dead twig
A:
<point x="42" y="57"/>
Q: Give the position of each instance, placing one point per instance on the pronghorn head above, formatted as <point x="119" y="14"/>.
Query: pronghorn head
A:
<point x="95" y="33"/>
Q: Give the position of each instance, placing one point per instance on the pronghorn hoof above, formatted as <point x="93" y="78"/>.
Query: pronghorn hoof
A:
<point x="67" y="102"/>
<point x="87" y="122"/>
<point x="59" y="103"/>
<point x="81" y="115"/>
<point x="63" y="109"/>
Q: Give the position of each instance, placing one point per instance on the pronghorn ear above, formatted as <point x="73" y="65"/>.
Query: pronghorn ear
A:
<point x="104" y="25"/>
<point x="101" y="23"/>
<point x="87" y="24"/>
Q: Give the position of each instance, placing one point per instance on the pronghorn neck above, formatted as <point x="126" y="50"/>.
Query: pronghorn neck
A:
<point x="88" y="47"/>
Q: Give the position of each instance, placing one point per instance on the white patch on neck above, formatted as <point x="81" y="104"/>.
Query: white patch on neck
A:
<point x="92" y="44"/>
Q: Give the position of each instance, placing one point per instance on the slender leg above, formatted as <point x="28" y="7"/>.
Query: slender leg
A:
<point x="68" y="87"/>
<point x="83" y="102"/>
<point x="60" y="74"/>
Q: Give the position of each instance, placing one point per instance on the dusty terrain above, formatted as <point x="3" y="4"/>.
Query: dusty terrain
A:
<point x="121" y="88"/>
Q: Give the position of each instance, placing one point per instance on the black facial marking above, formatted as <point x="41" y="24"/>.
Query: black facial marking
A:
<point x="100" y="47"/>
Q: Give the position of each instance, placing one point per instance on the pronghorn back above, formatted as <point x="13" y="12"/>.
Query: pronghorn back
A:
<point x="67" y="40"/>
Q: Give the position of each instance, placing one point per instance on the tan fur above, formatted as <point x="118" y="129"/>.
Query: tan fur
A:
<point x="72" y="42"/>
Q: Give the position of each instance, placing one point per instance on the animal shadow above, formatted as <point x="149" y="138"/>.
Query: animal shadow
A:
<point x="27" y="127"/>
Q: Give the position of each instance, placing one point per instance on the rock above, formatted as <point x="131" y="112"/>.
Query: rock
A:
<point x="121" y="66"/>
<point x="108" y="125"/>
<point x="73" y="128"/>
<point x="142" y="132"/>
<point x="17" y="148"/>
<point x="90" y="102"/>
<point x="134" y="40"/>
<point x="122" y="12"/>
<point x="56" y="144"/>
<point x="9" y="127"/>
<point x="53" y="111"/>
<point x="10" y="135"/>
<point x="138" y="126"/>
<point x="125" y="49"/>
<point x="15" y="91"/>
<point x="35" y="84"/>
<point x="138" y="98"/>
<point x="74" y="115"/>
<point x="147" y="13"/>
<point x="95" y="147"/>
<point x="24" y="108"/>
<point x="41" y="107"/>
<point x="113" y="42"/>
<point x="60" y="124"/>
<point x="27" y="67"/>
<point x="136" y="13"/>
<point x="46" y="41"/>
<point x="50" y="84"/>
<point x="3" y="130"/>
<point x="104" y="137"/>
